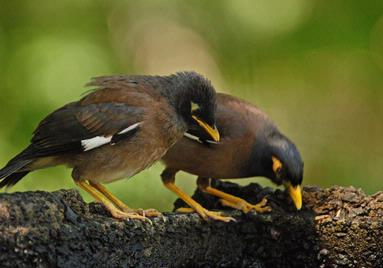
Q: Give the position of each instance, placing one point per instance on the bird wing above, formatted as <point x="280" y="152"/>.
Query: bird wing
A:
<point x="75" y="128"/>
<point x="111" y="112"/>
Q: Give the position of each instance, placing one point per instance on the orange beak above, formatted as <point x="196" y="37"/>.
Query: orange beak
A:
<point x="295" y="193"/>
<point x="212" y="131"/>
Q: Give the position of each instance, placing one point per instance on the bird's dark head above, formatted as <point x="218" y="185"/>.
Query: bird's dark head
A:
<point x="278" y="159"/>
<point x="195" y="102"/>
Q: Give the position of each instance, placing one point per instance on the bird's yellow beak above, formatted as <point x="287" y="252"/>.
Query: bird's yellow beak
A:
<point x="213" y="132"/>
<point x="295" y="193"/>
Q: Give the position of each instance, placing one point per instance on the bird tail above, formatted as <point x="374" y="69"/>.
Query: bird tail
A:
<point x="14" y="171"/>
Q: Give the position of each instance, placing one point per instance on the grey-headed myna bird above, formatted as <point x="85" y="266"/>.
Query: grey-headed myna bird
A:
<point x="124" y="125"/>
<point x="251" y="145"/>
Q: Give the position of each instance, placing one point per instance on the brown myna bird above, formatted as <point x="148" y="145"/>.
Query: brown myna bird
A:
<point x="251" y="145"/>
<point x="124" y="125"/>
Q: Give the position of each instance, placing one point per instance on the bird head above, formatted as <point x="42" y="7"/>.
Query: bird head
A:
<point x="196" y="103"/>
<point x="278" y="159"/>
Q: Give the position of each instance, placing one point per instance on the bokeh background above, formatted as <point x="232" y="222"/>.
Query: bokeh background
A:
<point x="315" y="66"/>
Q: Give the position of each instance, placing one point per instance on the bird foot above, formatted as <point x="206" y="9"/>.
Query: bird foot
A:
<point x="118" y="214"/>
<point x="216" y="216"/>
<point x="207" y="214"/>
<point x="145" y="213"/>
<point x="185" y="210"/>
<point x="246" y="207"/>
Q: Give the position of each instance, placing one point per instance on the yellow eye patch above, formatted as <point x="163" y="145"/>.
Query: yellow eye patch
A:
<point x="194" y="106"/>
<point x="277" y="165"/>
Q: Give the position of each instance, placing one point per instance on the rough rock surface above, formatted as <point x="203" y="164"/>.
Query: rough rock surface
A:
<point x="338" y="227"/>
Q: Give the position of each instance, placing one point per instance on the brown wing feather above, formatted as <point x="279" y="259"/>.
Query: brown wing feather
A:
<point x="134" y="90"/>
<point x="103" y="112"/>
<point x="63" y="130"/>
<point x="116" y="103"/>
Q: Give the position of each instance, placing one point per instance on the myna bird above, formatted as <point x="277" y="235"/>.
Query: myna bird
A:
<point x="124" y="125"/>
<point x="251" y="145"/>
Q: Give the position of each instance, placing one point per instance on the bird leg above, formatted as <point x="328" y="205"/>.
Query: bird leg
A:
<point x="231" y="200"/>
<point x="247" y="207"/>
<point x="260" y="206"/>
<point x="116" y="213"/>
<point x="168" y="178"/>
<point x="121" y="205"/>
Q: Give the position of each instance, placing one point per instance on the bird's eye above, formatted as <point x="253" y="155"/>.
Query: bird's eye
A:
<point x="194" y="106"/>
<point x="277" y="165"/>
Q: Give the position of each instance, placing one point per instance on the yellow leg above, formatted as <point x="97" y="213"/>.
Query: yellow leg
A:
<point x="116" y="213"/>
<point x="185" y="210"/>
<point x="203" y="212"/>
<point x="260" y="206"/>
<point x="236" y="202"/>
<point x="121" y="205"/>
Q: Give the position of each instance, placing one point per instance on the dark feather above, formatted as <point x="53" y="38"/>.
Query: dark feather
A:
<point x="8" y="175"/>
<point x="12" y="167"/>
<point x="124" y="136"/>
<point x="62" y="131"/>
<point x="12" y="179"/>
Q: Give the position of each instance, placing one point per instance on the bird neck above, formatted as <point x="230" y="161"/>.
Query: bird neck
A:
<point x="260" y="158"/>
<point x="255" y="165"/>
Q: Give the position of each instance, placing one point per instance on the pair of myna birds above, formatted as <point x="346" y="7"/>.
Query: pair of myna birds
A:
<point x="127" y="123"/>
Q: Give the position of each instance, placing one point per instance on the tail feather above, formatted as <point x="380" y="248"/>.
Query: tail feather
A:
<point x="13" y="172"/>
<point x="12" y="179"/>
<point x="12" y="167"/>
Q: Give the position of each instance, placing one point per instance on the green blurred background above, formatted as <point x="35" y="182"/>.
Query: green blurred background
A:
<point x="314" y="66"/>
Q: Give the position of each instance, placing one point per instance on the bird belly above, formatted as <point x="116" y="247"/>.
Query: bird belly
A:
<point x="214" y="161"/>
<point x="114" y="175"/>
<point x="127" y="158"/>
<point x="111" y="163"/>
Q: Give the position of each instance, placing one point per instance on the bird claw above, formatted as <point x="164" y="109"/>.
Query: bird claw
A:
<point x="128" y="216"/>
<point x="152" y="213"/>
<point x="207" y="214"/>
<point x="262" y="207"/>
<point x="247" y="207"/>
<point x="185" y="210"/>
<point x="145" y="213"/>
<point x="215" y="215"/>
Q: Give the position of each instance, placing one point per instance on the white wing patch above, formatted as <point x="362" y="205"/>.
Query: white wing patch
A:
<point x="195" y="138"/>
<point x="192" y="137"/>
<point x="95" y="142"/>
<point x="129" y="128"/>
